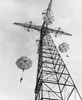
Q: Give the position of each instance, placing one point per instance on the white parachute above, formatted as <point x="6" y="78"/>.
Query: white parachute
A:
<point x="23" y="63"/>
<point x="64" y="47"/>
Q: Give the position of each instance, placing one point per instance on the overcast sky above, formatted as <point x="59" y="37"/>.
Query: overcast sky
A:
<point x="16" y="42"/>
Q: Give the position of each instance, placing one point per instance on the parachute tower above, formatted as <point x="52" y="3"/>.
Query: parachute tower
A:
<point x="54" y="81"/>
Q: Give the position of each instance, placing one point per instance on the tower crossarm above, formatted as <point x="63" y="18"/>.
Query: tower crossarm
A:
<point x="38" y="28"/>
<point x="29" y="26"/>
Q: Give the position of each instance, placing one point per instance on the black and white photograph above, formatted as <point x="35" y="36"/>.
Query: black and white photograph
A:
<point x="40" y="49"/>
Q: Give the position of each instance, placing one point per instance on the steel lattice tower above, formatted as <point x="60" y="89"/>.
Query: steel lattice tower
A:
<point x="54" y="81"/>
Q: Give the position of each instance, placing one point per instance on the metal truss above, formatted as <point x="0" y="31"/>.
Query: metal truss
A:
<point x="54" y="81"/>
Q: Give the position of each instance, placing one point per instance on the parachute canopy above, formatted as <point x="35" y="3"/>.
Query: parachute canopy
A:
<point x="24" y="63"/>
<point x="64" y="47"/>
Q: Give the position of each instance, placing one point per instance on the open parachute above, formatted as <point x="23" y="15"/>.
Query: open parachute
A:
<point x="64" y="47"/>
<point x="23" y="63"/>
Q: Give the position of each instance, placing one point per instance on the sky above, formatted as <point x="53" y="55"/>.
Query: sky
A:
<point x="16" y="42"/>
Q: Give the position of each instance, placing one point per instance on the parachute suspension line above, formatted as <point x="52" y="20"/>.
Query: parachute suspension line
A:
<point x="65" y="88"/>
<point x="22" y="75"/>
<point x="75" y="94"/>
